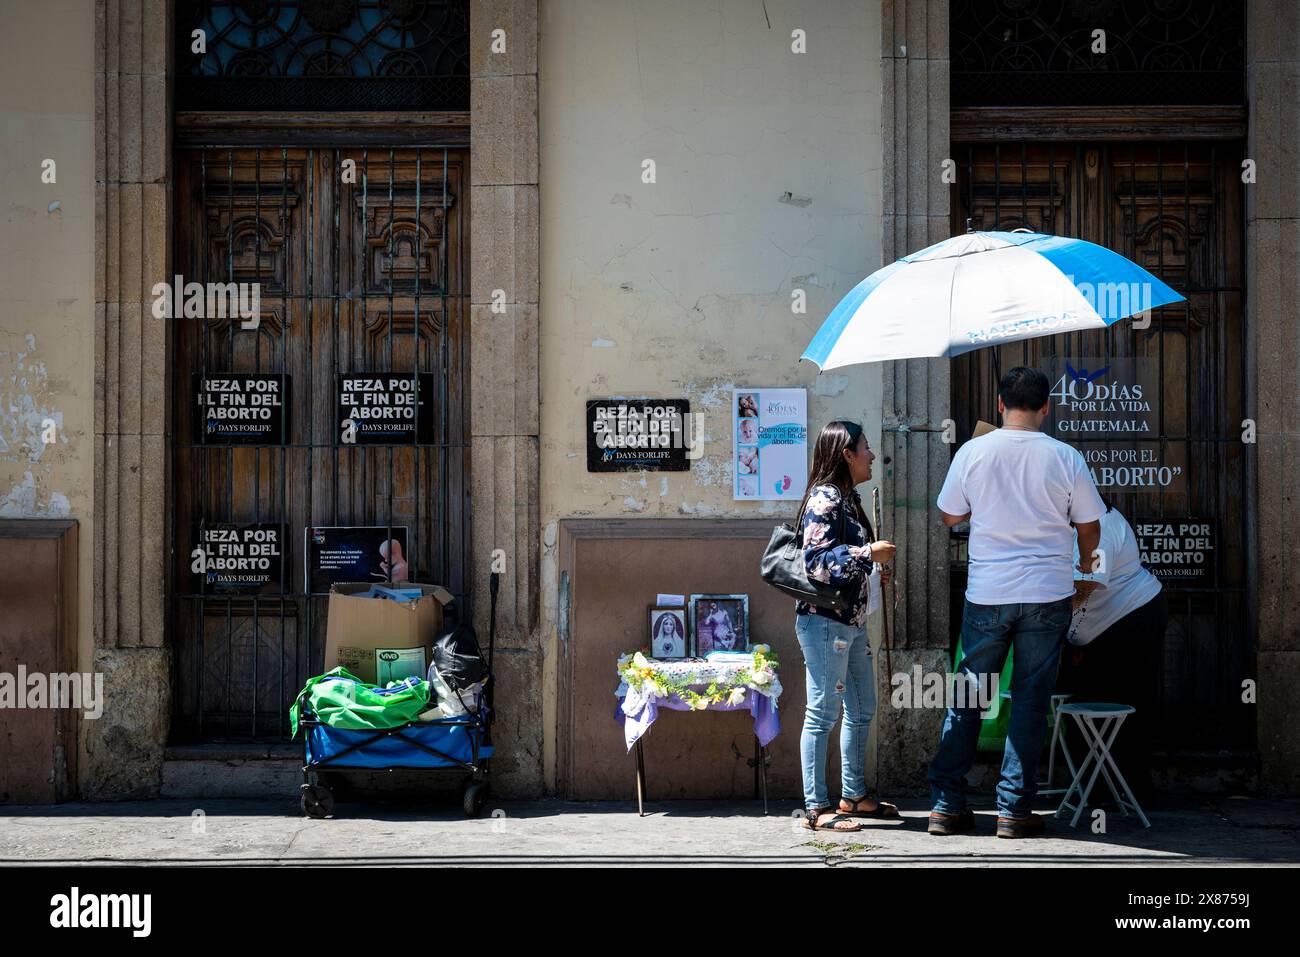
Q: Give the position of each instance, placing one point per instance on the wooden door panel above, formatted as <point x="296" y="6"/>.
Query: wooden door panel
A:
<point x="364" y="276"/>
<point x="1176" y="210"/>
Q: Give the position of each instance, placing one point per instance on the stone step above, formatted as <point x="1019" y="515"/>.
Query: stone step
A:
<point x="232" y="771"/>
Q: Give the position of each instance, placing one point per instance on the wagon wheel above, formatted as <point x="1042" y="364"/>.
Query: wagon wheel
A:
<point x="317" y="801"/>
<point x="473" y="801"/>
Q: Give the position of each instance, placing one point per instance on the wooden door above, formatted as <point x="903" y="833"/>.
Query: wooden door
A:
<point x="362" y="268"/>
<point x="1176" y="209"/>
<point x="38" y="732"/>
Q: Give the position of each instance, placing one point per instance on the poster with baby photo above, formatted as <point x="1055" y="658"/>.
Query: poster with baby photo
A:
<point x="770" y="437"/>
<point x="720" y="623"/>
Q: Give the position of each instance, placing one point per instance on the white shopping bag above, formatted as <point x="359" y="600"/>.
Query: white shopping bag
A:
<point x="873" y="595"/>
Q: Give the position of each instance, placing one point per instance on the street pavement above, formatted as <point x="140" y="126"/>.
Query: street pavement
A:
<point x="1234" y="831"/>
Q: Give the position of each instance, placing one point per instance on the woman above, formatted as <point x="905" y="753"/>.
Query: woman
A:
<point x="722" y="633"/>
<point x="669" y="640"/>
<point x="838" y="551"/>
<point x="1114" y="643"/>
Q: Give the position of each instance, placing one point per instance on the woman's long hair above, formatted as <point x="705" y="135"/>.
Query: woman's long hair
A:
<point x="830" y="468"/>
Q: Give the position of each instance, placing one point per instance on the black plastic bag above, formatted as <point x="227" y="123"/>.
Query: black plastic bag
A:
<point x="456" y="654"/>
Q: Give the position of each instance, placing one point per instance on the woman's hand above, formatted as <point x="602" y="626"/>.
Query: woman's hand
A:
<point x="882" y="552"/>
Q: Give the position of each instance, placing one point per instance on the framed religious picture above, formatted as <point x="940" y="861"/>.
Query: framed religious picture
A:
<point x="719" y="623"/>
<point x="668" y="636"/>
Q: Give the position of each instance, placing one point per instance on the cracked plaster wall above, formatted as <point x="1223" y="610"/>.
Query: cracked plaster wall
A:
<point x="683" y="287"/>
<point x="47" y="237"/>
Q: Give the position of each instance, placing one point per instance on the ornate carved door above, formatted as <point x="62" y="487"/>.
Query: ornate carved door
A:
<point x="360" y="268"/>
<point x="1175" y="208"/>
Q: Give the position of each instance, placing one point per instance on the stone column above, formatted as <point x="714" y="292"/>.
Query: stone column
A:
<point x="124" y="748"/>
<point x="914" y="41"/>
<point x="1273" y="349"/>
<point x="504" y="231"/>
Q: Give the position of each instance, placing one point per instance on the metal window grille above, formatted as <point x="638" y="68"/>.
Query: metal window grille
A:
<point x="1175" y="208"/>
<point x="313" y="54"/>
<point x="1046" y="52"/>
<point x="357" y="277"/>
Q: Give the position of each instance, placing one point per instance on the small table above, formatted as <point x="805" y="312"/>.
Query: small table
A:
<point x="638" y="708"/>
<point x="1099" y="724"/>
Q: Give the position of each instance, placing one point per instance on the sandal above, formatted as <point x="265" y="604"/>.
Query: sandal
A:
<point x="852" y="807"/>
<point x="813" y="821"/>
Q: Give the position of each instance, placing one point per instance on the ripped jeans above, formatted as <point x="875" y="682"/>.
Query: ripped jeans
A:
<point x="837" y="666"/>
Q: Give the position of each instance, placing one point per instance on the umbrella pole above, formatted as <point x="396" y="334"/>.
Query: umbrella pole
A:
<point x="888" y="606"/>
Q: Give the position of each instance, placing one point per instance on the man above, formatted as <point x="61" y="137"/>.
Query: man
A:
<point x="1020" y="489"/>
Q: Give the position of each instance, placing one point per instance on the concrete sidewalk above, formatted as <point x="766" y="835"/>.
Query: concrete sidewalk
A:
<point x="1230" y="831"/>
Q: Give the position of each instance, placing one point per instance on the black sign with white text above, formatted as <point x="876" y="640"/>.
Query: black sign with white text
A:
<point x="353" y="553"/>
<point x="1108" y="407"/>
<point x="1179" y="550"/>
<point x="385" y="408"/>
<point x="241" y="408"/>
<point x="229" y="557"/>
<point x="633" y="435"/>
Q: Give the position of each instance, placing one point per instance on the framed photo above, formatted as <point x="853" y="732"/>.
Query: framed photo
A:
<point x="719" y="623"/>
<point x="668" y="635"/>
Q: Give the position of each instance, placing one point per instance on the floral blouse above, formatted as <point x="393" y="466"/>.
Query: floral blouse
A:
<point x="832" y="561"/>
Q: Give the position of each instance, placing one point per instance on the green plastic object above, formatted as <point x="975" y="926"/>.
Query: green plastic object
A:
<point x="994" y="728"/>
<point x="340" y="699"/>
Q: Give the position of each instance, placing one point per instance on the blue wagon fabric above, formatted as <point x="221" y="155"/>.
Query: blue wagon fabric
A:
<point x="455" y="739"/>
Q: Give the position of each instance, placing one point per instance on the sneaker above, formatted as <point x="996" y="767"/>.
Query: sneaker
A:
<point x="941" y="823"/>
<point x="1013" y="827"/>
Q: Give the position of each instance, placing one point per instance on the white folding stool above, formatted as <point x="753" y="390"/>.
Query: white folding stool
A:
<point x="1045" y="788"/>
<point x="1099" y="724"/>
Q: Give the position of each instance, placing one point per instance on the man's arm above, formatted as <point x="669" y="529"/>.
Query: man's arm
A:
<point x="952" y="496"/>
<point x="1082" y="590"/>
<point x="1089" y="538"/>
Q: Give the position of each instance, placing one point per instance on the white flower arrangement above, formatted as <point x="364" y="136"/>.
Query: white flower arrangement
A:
<point x="643" y="680"/>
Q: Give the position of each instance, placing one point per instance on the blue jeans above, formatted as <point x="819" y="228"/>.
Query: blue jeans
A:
<point x="1035" y="634"/>
<point x="837" y="667"/>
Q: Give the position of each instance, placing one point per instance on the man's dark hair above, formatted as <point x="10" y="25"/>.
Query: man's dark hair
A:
<point x="1023" y="388"/>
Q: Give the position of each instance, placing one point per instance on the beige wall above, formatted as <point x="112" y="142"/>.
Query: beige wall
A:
<point x="47" y="238"/>
<point x="683" y="287"/>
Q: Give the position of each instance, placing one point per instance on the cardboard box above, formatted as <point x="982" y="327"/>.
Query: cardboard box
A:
<point x="983" y="428"/>
<point x="357" y="627"/>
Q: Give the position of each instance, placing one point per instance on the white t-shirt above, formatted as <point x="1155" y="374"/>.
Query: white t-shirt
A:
<point x="1022" y="489"/>
<point x="1123" y="584"/>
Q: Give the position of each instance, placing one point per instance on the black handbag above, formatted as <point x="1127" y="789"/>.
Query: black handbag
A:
<point x="783" y="568"/>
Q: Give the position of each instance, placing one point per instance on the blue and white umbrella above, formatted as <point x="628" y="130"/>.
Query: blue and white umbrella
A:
<point x="983" y="289"/>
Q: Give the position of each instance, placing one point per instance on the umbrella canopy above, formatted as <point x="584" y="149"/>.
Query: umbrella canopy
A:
<point x="982" y="289"/>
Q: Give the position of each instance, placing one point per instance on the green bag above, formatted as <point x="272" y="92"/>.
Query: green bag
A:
<point x="994" y="728"/>
<point x="342" y="700"/>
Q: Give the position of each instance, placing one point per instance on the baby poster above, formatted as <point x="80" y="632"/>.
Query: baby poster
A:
<point x="770" y="432"/>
